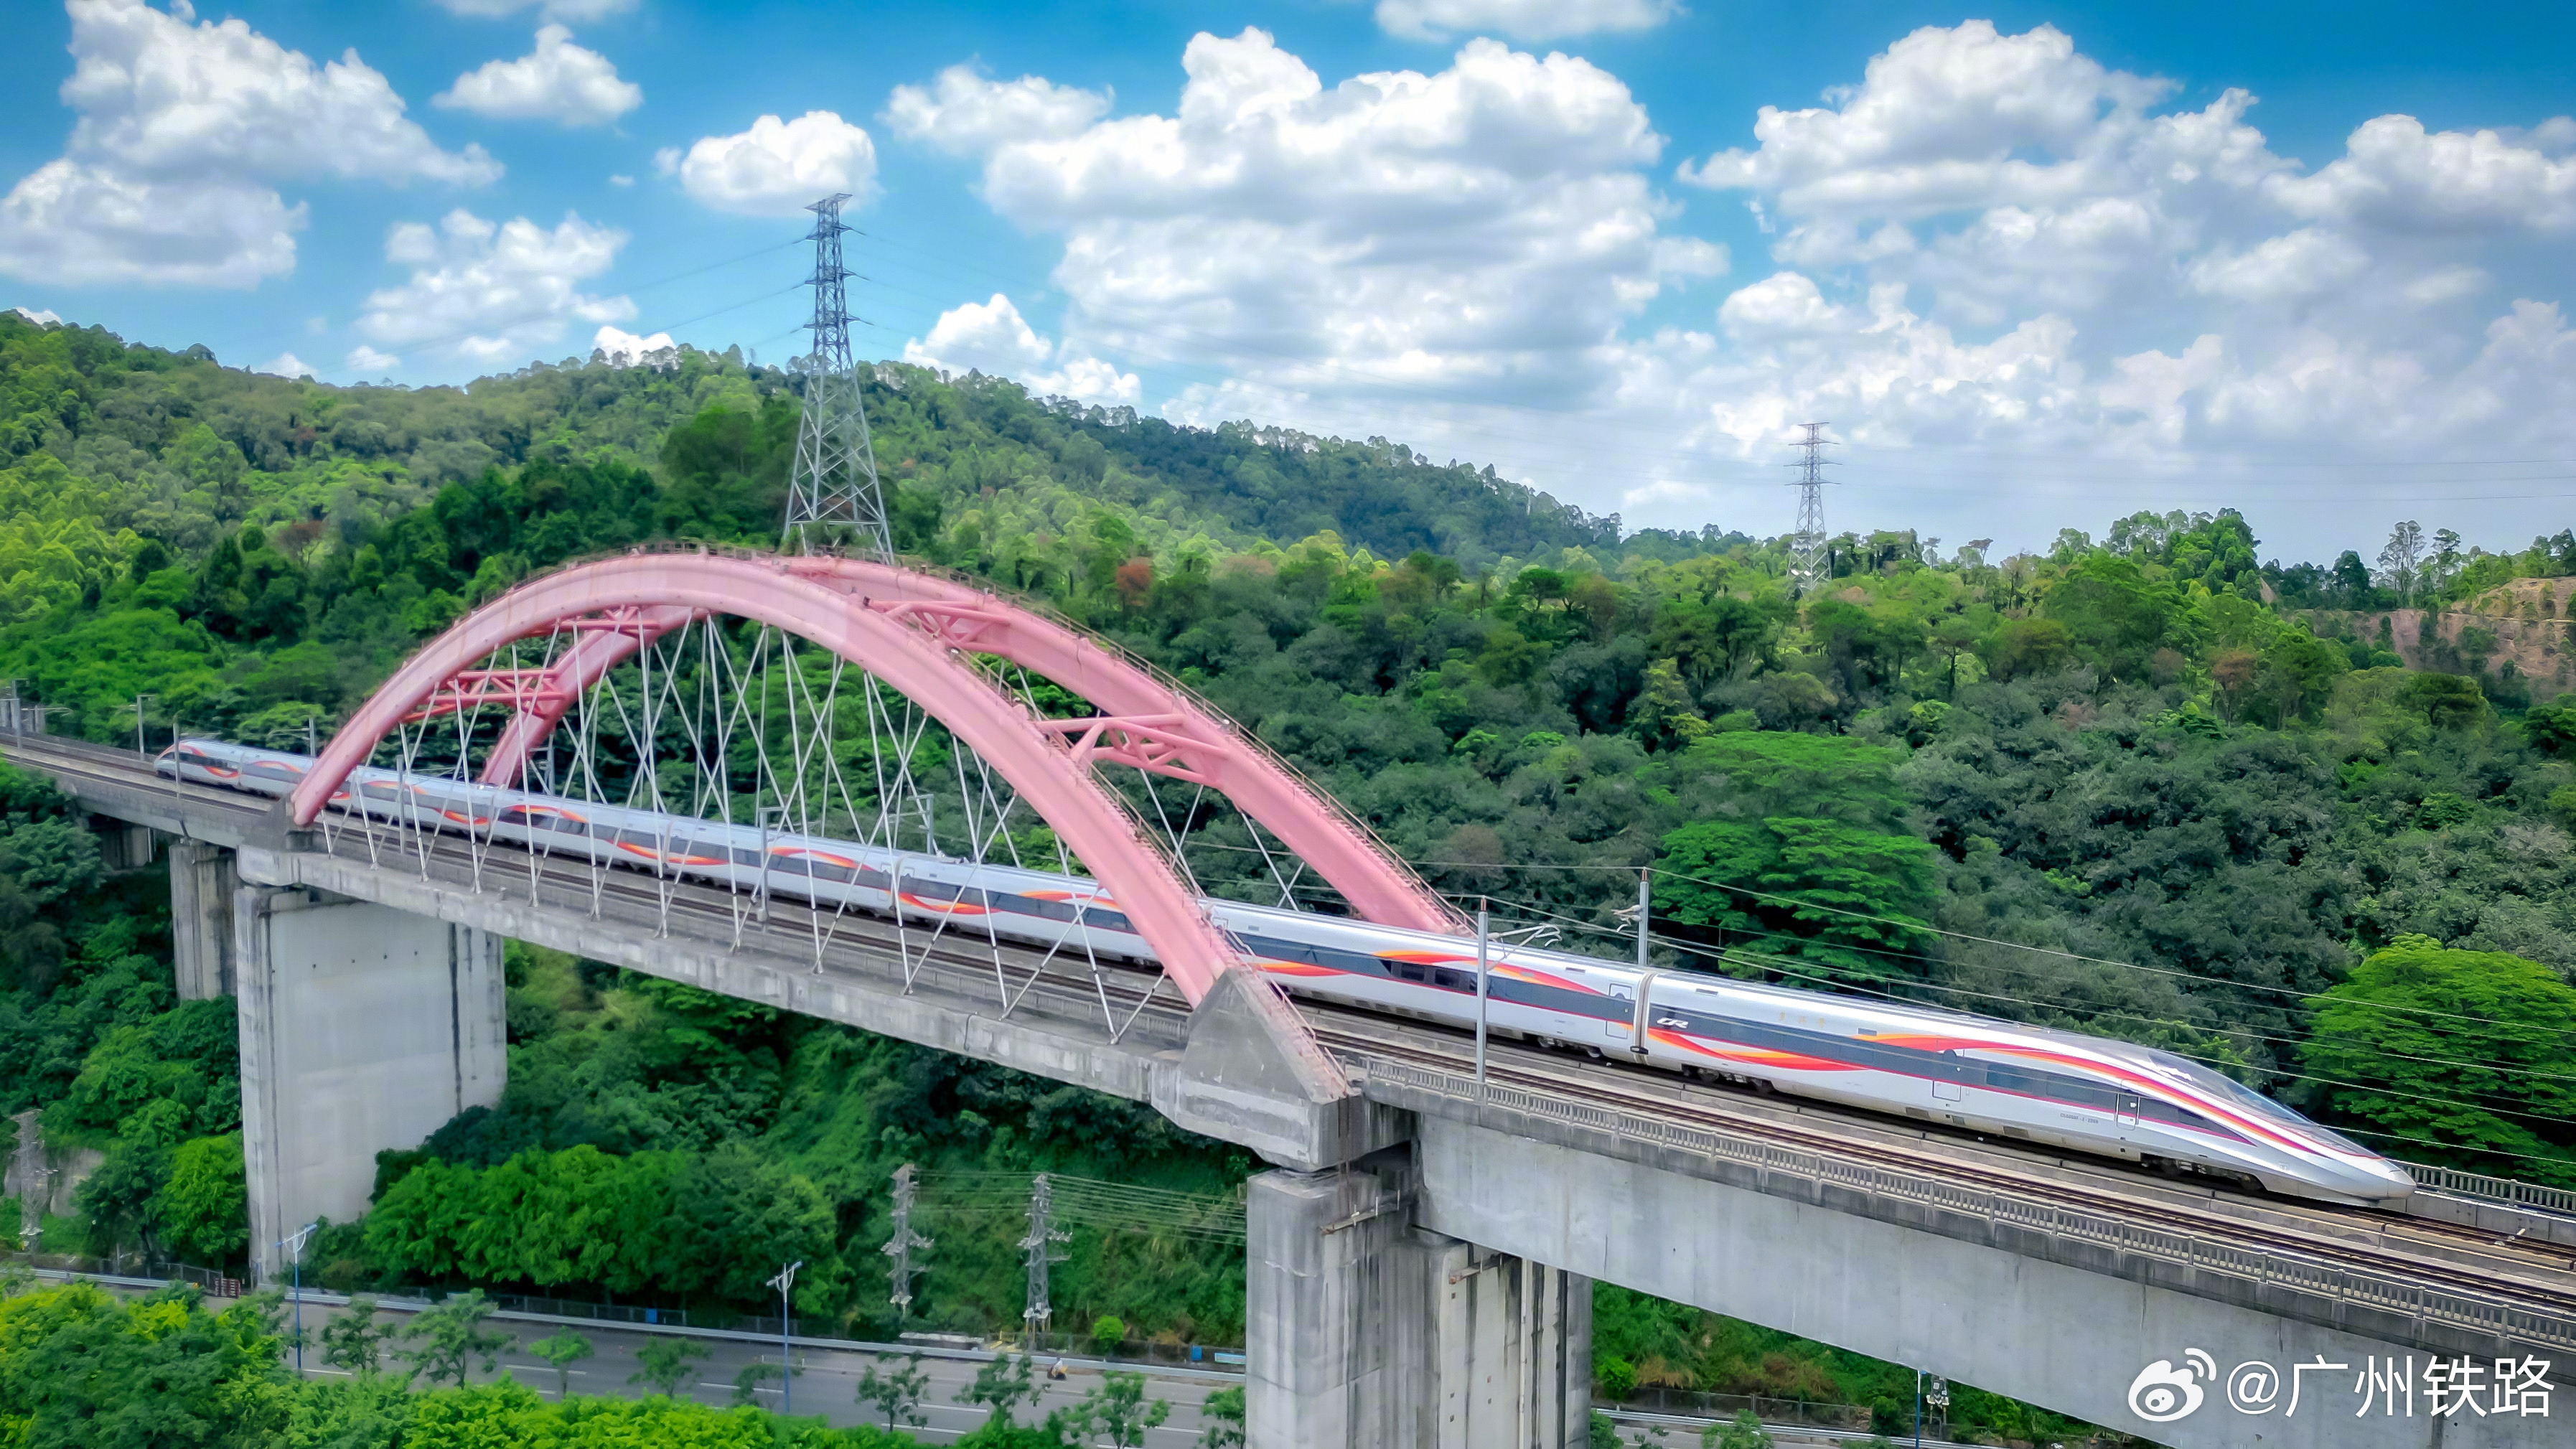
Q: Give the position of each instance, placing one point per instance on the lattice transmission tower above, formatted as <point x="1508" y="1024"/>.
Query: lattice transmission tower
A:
<point x="1040" y="1246"/>
<point x="1808" y="544"/>
<point x="833" y="494"/>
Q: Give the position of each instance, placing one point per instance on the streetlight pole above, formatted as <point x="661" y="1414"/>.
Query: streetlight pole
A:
<point x="138" y="725"/>
<point x="293" y="1243"/>
<point x="785" y="1280"/>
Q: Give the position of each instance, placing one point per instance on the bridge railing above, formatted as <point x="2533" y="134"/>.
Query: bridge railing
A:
<point x="2283" y="1267"/>
<point x="2497" y="1189"/>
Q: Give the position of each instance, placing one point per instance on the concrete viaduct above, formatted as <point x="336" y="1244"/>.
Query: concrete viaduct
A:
<point x="1422" y="1253"/>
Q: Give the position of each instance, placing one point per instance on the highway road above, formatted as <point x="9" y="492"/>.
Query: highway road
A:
<point x="827" y="1383"/>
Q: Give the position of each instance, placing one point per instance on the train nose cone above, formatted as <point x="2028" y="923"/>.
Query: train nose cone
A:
<point x="2391" y="1180"/>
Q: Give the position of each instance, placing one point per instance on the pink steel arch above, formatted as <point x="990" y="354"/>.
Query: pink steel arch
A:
<point x="1033" y="759"/>
<point x="1150" y="725"/>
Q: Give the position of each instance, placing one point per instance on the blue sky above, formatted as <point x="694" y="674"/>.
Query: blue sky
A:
<point x="2039" y="265"/>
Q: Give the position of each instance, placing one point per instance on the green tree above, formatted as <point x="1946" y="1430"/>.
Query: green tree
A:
<point x="204" y="1209"/>
<point x="563" y="1348"/>
<point x="352" y="1340"/>
<point x="1811" y="858"/>
<point x="2472" y="1054"/>
<point x="2116" y="617"/>
<point x="896" y="1392"/>
<point x="447" y="1337"/>
<point x="1108" y="1331"/>
<point x="1117" y="1410"/>
<point x="1003" y="1385"/>
<point x="1223" y="1414"/>
<point x="748" y="1381"/>
<point x="1601" y="1433"/>
<point x="665" y="1364"/>
<point x="84" y="1370"/>
<point x="1745" y="1433"/>
<point x="1617" y="1377"/>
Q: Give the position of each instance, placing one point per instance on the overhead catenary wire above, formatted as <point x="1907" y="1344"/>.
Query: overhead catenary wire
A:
<point x="1783" y="966"/>
<point x="2069" y="1007"/>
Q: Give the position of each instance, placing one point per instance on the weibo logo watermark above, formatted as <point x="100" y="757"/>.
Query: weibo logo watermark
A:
<point x="2164" y="1391"/>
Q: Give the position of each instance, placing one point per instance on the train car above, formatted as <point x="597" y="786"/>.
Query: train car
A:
<point x="2063" y="1089"/>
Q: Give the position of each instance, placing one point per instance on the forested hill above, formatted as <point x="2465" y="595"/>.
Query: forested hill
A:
<point x="170" y="445"/>
<point x="2309" y="823"/>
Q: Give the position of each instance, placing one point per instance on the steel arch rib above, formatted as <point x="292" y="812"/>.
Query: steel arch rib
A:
<point x="1378" y="886"/>
<point x="1340" y="850"/>
<point x="583" y="665"/>
<point x="1091" y="820"/>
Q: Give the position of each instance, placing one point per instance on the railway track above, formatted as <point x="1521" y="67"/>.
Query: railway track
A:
<point x="2366" y="1240"/>
<point x="2533" y="1284"/>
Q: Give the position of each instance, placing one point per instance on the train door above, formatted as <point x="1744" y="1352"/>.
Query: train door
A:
<point x="1621" y="1020"/>
<point x="2125" y="1110"/>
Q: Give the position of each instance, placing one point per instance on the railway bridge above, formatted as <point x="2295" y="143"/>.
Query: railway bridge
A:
<point x="1422" y="1251"/>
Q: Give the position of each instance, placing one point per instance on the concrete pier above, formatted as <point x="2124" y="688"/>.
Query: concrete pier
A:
<point x="1366" y="1332"/>
<point x="362" y="1028"/>
<point x="202" y="881"/>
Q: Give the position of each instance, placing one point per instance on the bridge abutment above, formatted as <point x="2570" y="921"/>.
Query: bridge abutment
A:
<point x="362" y="1028"/>
<point x="1365" y="1331"/>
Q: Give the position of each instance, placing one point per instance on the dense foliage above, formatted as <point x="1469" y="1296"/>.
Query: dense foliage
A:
<point x="80" y="1369"/>
<point x="2308" y="823"/>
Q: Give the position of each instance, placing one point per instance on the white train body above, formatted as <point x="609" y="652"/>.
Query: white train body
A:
<point x="2031" y="1084"/>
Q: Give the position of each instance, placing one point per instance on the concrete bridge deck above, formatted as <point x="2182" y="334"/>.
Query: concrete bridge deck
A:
<point x="1936" y="1249"/>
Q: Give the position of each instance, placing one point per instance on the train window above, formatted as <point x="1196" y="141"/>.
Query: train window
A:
<point x="1355" y="962"/>
<point x="1410" y="970"/>
<point x="270" y="770"/>
<point x="1032" y="906"/>
<point x="932" y="890"/>
<point x="1272" y="948"/>
<point x="1448" y="980"/>
<point x="871" y="877"/>
<point x="1108" y="920"/>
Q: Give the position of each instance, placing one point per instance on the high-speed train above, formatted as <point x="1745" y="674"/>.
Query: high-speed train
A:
<point x="2024" y="1083"/>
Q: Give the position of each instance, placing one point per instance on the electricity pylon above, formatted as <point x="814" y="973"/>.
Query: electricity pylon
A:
<point x="833" y="492"/>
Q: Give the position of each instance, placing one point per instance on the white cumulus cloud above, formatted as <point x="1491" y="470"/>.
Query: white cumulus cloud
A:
<point x="285" y="364"/>
<point x="963" y="112"/>
<point x="1483" y="226"/>
<point x="558" y="81"/>
<point x="626" y="349"/>
<point x="492" y="292"/>
<point x="1520" y="19"/>
<point x="42" y="317"/>
<point x="991" y="337"/>
<point x="2395" y="174"/>
<point x="184" y="130"/>
<point x="365" y="359"/>
<point x="77" y="224"/>
<point x="777" y="167"/>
